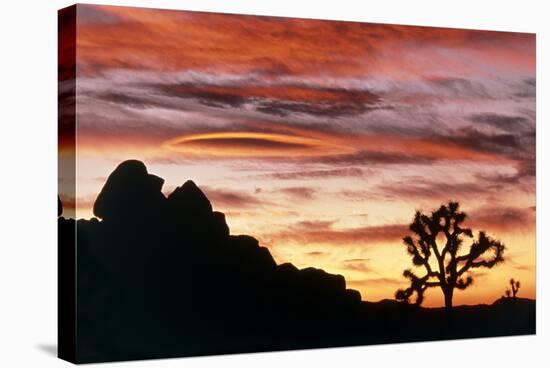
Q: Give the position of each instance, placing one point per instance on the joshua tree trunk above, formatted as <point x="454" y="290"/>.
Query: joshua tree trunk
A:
<point x="448" y="292"/>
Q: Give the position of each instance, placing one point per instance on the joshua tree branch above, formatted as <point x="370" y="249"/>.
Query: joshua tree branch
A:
<point x="433" y="284"/>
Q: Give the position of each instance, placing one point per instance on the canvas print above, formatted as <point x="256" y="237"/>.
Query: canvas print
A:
<point x="238" y="183"/>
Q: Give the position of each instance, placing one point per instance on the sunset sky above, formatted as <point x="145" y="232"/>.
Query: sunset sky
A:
<point x="318" y="138"/>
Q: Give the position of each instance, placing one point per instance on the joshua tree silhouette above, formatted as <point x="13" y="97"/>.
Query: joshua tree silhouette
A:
<point x="513" y="292"/>
<point x="448" y="270"/>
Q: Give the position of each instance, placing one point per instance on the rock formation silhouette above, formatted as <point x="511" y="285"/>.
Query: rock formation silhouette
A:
<point x="162" y="276"/>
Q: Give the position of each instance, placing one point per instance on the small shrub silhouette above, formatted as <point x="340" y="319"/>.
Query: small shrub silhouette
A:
<point x="513" y="292"/>
<point x="449" y="270"/>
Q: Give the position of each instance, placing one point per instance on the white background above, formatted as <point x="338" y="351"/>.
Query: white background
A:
<point x="28" y="182"/>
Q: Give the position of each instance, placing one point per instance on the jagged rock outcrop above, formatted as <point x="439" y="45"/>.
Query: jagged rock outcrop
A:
<point x="165" y="270"/>
<point x="189" y="202"/>
<point x="191" y="210"/>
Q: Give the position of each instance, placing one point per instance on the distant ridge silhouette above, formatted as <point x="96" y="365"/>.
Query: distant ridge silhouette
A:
<point x="162" y="276"/>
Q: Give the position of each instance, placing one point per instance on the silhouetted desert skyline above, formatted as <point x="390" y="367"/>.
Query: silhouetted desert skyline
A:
<point x="162" y="276"/>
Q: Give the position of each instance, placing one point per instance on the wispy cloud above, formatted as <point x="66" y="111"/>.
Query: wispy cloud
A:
<point x="228" y="199"/>
<point x="299" y="193"/>
<point x="316" y="174"/>
<point x="504" y="219"/>
<point x="376" y="281"/>
<point x="324" y="233"/>
<point x="356" y="264"/>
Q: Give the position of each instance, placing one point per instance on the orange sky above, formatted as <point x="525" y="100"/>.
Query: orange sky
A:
<point x="319" y="138"/>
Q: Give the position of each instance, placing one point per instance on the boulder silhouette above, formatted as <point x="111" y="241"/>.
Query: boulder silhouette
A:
<point x="129" y="193"/>
<point x="191" y="211"/>
<point x="190" y="201"/>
